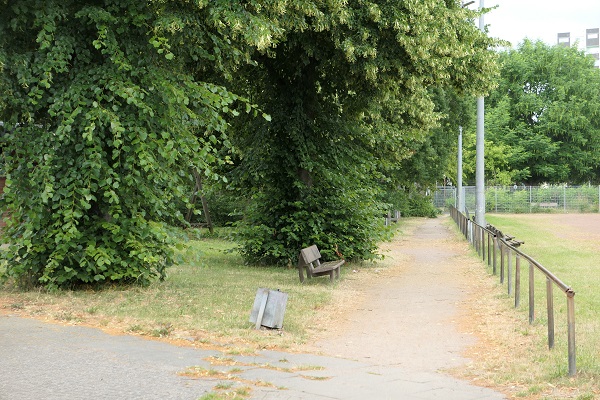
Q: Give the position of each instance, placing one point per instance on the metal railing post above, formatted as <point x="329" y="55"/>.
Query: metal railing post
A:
<point x="489" y="247"/>
<point x="571" y="325"/>
<point x="509" y="271"/>
<point x="483" y="247"/>
<point x="531" y="295"/>
<point x="495" y="255"/>
<point x="550" y="308"/>
<point x="517" y="281"/>
<point x="501" y="263"/>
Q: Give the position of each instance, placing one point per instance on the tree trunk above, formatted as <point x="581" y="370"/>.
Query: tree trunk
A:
<point x="198" y="189"/>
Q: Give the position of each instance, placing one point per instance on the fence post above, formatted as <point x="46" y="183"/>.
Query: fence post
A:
<point x="571" y="322"/>
<point x="517" y="280"/>
<point x="550" y="307"/>
<point x="531" y="295"/>
<point x="494" y="270"/>
<point x="483" y="244"/>
<point x="489" y="248"/>
<point x="501" y="263"/>
<point x="509" y="272"/>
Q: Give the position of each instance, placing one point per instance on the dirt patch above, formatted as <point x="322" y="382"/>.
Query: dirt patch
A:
<point x="578" y="227"/>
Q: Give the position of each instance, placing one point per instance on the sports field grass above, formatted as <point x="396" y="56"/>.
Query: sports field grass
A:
<point x="568" y="245"/>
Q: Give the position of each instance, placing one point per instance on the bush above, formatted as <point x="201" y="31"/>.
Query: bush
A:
<point x="419" y="205"/>
<point x="274" y="230"/>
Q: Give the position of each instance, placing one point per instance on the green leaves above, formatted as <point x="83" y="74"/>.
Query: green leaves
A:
<point x="543" y="115"/>
<point x="105" y="124"/>
<point x="112" y="104"/>
<point x="349" y="89"/>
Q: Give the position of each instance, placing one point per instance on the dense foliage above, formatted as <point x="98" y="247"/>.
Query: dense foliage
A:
<point x="349" y="91"/>
<point x="103" y="118"/>
<point x="542" y="122"/>
<point x="111" y="106"/>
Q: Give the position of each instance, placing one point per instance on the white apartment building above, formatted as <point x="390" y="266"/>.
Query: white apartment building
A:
<point x="590" y="42"/>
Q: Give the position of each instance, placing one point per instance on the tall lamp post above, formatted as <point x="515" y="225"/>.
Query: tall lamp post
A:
<point x="479" y="148"/>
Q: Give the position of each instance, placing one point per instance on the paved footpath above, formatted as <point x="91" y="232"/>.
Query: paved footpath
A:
<point x="53" y="362"/>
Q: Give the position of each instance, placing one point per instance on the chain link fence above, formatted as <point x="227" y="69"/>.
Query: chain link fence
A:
<point x="525" y="199"/>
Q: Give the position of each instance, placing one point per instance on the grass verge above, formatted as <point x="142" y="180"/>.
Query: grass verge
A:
<point x="513" y="354"/>
<point x="205" y="300"/>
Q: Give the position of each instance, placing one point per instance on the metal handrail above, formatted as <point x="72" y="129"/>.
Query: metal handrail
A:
<point x="498" y="242"/>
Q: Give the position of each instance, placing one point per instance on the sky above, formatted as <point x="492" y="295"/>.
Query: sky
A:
<point x="513" y="20"/>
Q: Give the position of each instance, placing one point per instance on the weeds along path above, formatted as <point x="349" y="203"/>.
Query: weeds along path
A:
<point x="407" y="314"/>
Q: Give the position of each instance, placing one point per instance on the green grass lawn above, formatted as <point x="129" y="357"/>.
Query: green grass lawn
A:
<point x="206" y="298"/>
<point x="574" y="259"/>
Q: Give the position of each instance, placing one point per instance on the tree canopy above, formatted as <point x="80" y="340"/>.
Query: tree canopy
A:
<point x="108" y="107"/>
<point x="351" y="96"/>
<point x="542" y="122"/>
<point x="104" y="115"/>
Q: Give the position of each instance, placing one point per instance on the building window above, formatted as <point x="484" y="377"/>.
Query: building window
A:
<point x="564" y="39"/>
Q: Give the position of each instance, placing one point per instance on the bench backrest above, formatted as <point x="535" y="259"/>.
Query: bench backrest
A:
<point x="309" y="255"/>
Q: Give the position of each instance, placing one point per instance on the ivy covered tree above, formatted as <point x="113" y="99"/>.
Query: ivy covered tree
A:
<point x="542" y="121"/>
<point x="107" y="107"/>
<point x="348" y="89"/>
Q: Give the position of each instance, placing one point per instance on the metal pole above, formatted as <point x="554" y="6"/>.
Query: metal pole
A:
<point x="489" y="247"/>
<point x="494" y="262"/>
<point x="509" y="272"/>
<point x="571" y="323"/>
<point x="502" y="250"/>
<point x="518" y="281"/>
<point x="550" y="308"/>
<point x="459" y="173"/>
<point x="483" y="244"/>
<point x="531" y="295"/>
<point x="480" y="165"/>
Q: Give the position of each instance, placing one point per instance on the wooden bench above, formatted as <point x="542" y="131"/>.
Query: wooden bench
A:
<point x="548" y="205"/>
<point x="389" y="218"/>
<point x="310" y="258"/>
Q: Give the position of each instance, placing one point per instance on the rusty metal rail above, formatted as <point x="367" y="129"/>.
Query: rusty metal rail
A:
<point x="489" y="242"/>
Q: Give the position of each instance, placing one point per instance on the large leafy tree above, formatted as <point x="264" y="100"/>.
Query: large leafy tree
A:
<point x="110" y="106"/>
<point x="107" y="107"/>
<point x="348" y="89"/>
<point x="542" y="121"/>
